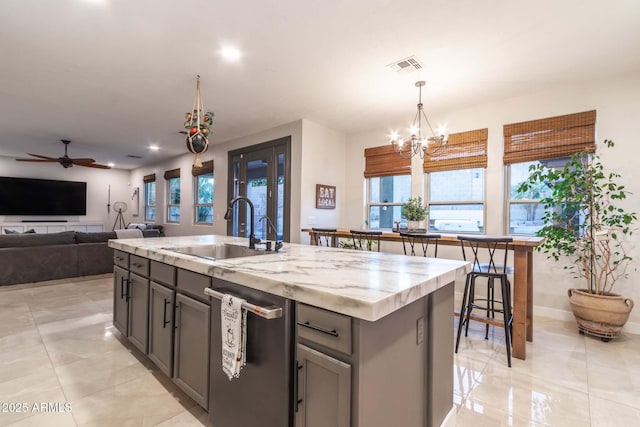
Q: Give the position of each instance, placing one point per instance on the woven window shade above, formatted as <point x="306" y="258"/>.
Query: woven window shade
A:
<point x="149" y="178"/>
<point x="207" y="167"/>
<point x="384" y="161"/>
<point x="173" y="173"/>
<point x="464" y="150"/>
<point x="550" y="138"/>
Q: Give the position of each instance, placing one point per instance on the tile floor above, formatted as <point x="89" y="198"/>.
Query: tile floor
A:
<point x="59" y="348"/>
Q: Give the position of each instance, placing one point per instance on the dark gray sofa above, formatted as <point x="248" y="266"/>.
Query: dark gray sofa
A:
<point x="26" y="258"/>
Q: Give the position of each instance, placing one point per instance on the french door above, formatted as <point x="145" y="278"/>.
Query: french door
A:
<point x="262" y="174"/>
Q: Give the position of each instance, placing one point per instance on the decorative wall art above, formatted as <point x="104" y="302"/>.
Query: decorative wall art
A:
<point x="135" y="201"/>
<point x="325" y="196"/>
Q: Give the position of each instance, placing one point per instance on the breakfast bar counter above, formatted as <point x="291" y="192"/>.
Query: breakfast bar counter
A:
<point x="522" y="247"/>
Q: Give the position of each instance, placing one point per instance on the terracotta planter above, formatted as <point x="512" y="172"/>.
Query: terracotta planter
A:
<point x="599" y="315"/>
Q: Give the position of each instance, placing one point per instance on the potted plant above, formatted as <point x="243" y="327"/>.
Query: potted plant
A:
<point x="585" y="226"/>
<point x="414" y="211"/>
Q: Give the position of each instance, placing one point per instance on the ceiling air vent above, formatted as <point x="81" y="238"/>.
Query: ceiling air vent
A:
<point x="133" y="156"/>
<point x="406" y="65"/>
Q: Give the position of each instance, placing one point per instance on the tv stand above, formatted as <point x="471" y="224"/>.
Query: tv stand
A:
<point x="44" y="220"/>
<point x="51" y="226"/>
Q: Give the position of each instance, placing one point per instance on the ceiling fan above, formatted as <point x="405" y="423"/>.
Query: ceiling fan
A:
<point x="65" y="160"/>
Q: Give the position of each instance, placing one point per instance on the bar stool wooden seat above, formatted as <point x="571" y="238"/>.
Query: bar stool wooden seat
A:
<point x="484" y="248"/>
<point x="325" y="237"/>
<point x="364" y="240"/>
<point x="424" y="240"/>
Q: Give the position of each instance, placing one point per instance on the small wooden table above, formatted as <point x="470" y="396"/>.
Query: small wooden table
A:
<point x="522" y="247"/>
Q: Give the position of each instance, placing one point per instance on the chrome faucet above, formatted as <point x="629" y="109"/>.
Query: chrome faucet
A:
<point x="227" y="216"/>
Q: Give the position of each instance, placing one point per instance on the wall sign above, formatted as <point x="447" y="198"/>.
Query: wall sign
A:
<point x="325" y="196"/>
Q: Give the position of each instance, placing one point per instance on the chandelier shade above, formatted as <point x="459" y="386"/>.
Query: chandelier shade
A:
<point x="420" y="142"/>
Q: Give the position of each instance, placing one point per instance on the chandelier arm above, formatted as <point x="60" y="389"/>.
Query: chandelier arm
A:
<point x="429" y="124"/>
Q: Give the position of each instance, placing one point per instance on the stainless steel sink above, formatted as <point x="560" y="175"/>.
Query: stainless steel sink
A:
<point x="218" y="251"/>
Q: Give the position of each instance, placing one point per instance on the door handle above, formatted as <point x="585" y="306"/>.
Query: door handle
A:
<point x="296" y="392"/>
<point x="176" y="318"/>
<point x="331" y="332"/>
<point x="165" y="322"/>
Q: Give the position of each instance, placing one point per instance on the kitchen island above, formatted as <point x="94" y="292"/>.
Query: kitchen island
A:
<point x="365" y="339"/>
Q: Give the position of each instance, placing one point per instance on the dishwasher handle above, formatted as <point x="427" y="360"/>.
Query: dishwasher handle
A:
<point x="271" y="312"/>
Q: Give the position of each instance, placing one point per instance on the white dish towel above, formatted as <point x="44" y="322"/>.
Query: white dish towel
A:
<point x="234" y="335"/>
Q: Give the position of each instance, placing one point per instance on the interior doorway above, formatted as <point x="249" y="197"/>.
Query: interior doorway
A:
<point x="261" y="173"/>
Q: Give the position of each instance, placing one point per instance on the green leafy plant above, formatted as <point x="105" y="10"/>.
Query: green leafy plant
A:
<point x="414" y="210"/>
<point x="583" y="220"/>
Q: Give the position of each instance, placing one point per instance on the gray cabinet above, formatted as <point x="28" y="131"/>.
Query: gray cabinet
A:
<point x="391" y="372"/>
<point x="179" y="325"/>
<point x="323" y="390"/>
<point x="191" y="348"/>
<point x="138" y="294"/>
<point x="130" y="305"/>
<point x="323" y="387"/>
<point x="161" y="303"/>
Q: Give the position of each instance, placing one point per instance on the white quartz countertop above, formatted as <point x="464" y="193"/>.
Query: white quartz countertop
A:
<point x="366" y="285"/>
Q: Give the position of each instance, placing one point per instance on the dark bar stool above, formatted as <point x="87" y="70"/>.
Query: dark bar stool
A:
<point x="325" y="237"/>
<point x="363" y="240"/>
<point x="483" y="247"/>
<point x="423" y="240"/>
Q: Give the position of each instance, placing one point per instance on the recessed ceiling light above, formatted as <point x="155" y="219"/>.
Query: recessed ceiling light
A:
<point x="111" y="164"/>
<point x="230" y="53"/>
<point x="154" y="147"/>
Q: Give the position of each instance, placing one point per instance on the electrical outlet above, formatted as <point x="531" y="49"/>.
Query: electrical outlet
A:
<point x="420" y="331"/>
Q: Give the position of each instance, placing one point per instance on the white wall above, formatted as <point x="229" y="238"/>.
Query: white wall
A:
<point x="617" y="102"/>
<point x="324" y="161"/>
<point x="98" y="182"/>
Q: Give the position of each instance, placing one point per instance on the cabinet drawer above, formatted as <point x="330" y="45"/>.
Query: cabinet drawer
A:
<point x="193" y="283"/>
<point x="121" y="259"/>
<point x="324" y="327"/>
<point x="163" y="273"/>
<point x="139" y="265"/>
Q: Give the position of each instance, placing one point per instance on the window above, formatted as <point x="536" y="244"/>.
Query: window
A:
<point x="456" y="200"/>
<point x="456" y="184"/>
<point x="388" y="186"/>
<point x="150" y="197"/>
<point x="547" y="141"/>
<point x="386" y="195"/>
<point x="173" y="195"/>
<point x="525" y="212"/>
<point x="203" y="193"/>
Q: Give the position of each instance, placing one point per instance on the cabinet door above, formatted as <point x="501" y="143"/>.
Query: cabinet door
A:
<point x="323" y="390"/>
<point x="138" y="311"/>
<point x="191" y="348"/>
<point x="120" y="304"/>
<point x="161" y="327"/>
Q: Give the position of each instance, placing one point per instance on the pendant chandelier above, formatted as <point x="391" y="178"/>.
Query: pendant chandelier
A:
<point x="419" y="142"/>
<point x="198" y="127"/>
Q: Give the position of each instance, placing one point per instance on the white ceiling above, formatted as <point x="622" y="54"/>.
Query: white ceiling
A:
<point x="115" y="76"/>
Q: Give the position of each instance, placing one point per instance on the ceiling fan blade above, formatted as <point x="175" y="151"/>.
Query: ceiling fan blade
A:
<point x="38" y="160"/>
<point x="43" y="157"/>
<point x="93" y="165"/>
<point x="82" y="160"/>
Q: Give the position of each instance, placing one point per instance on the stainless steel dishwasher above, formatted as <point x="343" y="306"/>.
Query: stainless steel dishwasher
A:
<point x="262" y="395"/>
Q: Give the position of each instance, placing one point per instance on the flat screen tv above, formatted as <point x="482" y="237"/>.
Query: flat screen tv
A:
<point x="26" y="196"/>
